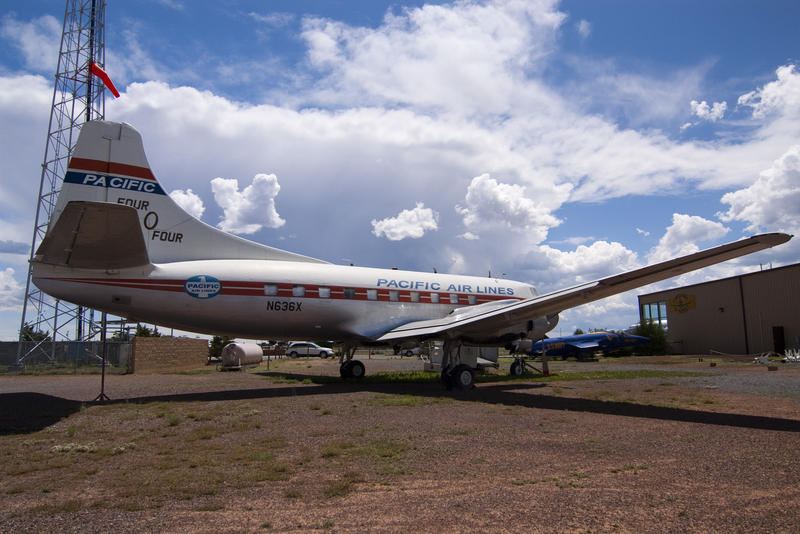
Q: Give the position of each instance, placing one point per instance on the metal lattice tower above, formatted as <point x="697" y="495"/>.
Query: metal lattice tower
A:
<point x="77" y="98"/>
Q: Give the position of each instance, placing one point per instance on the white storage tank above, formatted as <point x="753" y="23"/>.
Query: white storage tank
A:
<point x="238" y="355"/>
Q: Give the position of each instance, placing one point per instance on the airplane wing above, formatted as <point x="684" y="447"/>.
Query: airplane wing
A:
<point x="583" y="345"/>
<point x="468" y="322"/>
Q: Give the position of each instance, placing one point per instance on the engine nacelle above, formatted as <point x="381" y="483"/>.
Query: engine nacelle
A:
<point x="534" y="331"/>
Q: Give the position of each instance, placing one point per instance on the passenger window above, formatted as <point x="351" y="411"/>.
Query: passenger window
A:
<point x="324" y="292"/>
<point x="298" y="291"/>
<point x="472" y="299"/>
<point x="349" y="293"/>
<point x="394" y="296"/>
<point x="372" y="294"/>
<point x="453" y="298"/>
<point x="434" y="297"/>
<point x="415" y="296"/>
<point x="270" y="290"/>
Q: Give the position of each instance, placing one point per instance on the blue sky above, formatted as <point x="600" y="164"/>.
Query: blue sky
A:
<point x="555" y="142"/>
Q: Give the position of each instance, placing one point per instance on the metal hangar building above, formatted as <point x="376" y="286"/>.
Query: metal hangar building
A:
<point x="747" y="314"/>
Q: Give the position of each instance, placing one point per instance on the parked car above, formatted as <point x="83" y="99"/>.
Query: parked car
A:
<point x="307" y="348"/>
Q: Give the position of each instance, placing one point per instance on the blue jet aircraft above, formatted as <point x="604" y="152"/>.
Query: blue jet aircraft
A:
<point x="586" y="343"/>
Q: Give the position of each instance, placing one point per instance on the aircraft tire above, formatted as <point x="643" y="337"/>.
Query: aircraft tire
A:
<point x="357" y="370"/>
<point x="345" y="370"/>
<point x="516" y="369"/>
<point x="463" y="377"/>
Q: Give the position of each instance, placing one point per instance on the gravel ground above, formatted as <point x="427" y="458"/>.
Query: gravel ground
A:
<point x="712" y="452"/>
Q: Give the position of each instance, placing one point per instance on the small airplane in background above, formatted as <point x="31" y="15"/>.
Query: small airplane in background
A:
<point x="118" y="243"/>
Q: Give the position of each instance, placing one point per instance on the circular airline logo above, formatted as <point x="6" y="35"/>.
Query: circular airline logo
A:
<point x="202" y="286"/>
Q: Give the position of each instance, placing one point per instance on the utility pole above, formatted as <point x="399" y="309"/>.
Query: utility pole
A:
<point x="76" y="99"/>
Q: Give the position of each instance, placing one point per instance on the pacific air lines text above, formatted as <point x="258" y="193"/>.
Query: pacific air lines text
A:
<point x="436" y="286"/>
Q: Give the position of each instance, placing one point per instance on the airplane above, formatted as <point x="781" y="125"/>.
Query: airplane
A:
<point x="116" y="242"/>
<point x="577" y="344"/>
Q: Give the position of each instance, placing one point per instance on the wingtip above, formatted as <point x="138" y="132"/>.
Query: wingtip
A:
<point x="773" y="239"/>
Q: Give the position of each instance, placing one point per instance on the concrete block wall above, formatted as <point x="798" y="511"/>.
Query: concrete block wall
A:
<point x="168" y="354"/>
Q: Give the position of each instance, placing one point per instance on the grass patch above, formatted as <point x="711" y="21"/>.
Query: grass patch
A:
<point x="342" y="486"/>
<point x="395" y="400"/>
<point x="336" y="449"/>
<point x="629" y="467"/>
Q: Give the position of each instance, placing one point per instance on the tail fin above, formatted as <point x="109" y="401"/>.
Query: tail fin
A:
<point x="109" y="165"/>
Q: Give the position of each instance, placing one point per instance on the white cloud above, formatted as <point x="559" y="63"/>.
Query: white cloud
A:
<point x="411" y="223"/>
<point x="11" y="291"/>
<point x="250" y="210"/>
<point x="172" y="4"/>
<point x="772" y="202"/>
<point x="469" y="236"/>
<point x="587" y="263"/>
<point x="711" y="113"/>
<point x="781" y="96"/>
<point x="442" y="56"/>
<point x="38" y="40"/>
<point x="490" y="203"/>
<point x="682" y="236"/>
<point x="273" y="20"/>
<point x="642" y="232"/>
<point x="189" y="201"/>
<point x="584" y="28"/>
<point x="457" y="262"/>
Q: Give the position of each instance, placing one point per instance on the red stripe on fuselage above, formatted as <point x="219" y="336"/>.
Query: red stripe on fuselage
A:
<point x="110" y="167"/>
<point x="285" y="290"/>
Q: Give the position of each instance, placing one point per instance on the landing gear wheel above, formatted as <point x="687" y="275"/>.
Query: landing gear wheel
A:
<point x="517" y="368"/>
<point x="463" y="377"/>
<point x="356" y="369"/>
<point x="352" y="369"/>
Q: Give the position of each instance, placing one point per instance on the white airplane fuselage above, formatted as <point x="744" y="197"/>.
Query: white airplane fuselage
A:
<point x="277" y="299"/>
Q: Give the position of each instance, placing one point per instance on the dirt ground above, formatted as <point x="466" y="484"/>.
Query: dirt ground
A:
<point x="665" y="444"/>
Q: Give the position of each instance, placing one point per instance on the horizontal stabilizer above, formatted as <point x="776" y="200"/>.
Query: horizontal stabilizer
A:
<point x="94" y="235"/>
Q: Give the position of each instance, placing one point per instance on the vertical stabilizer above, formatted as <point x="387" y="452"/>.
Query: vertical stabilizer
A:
<point x="108" y="164"/>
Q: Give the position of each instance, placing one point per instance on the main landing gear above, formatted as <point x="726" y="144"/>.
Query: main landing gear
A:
<point x="455" y="373"/>
<point x="348" y="367"/>
<point x="460" y="377"/>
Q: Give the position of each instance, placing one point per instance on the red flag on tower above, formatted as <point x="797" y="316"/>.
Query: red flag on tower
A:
<point x="100" y="73"/>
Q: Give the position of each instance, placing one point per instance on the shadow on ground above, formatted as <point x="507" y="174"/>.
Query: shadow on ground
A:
<point x="30" y="412"/>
